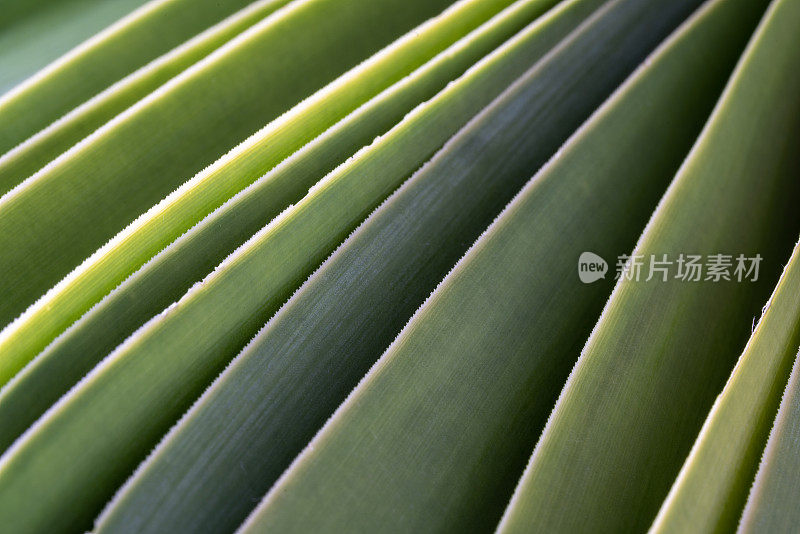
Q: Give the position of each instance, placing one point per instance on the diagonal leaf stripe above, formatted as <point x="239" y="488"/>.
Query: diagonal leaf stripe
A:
<point x="172" y="272"/>
<point x="256" y="279"/>
<point x="399" y="266"/>
<point x="711" y="489"/>
<point x="107" y="57"/>
<point x="39" y="149"/>
<point x="34" y="33"/>
<point x="661" y="351"/>
<point x="771" y="506"/>
<point x="435" y="435"/>
<point x="373" y="268"/>
<point x="161" y="224"/>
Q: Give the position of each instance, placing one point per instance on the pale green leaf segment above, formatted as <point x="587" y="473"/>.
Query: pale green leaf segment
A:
<point x="33" y="33"/>
<point x="109" y="56"/>
<point x="32" y="154"/>
<point x="354" y="305"/>
<point x="170" y="274"/>
<point x="144" y="386"/>
<point x="661" y="351"/>
<point x="435" y="436"/>
<point x="127" y="165"/>
<point x="772" y="504"/>
<point x="67" y="210"/>
<point x="711" y="489"/>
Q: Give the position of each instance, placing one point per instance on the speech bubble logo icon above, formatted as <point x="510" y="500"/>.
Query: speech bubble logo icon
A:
<point x="591" y="267"/>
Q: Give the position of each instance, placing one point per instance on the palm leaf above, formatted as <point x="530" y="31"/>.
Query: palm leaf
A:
<point x="29" y="108"/>
<point x="171" y="372"/>
<point x="35" y="32"/>
<point x="310" y="265"/>
<point x="435" y="435"/>
<point x="662" y="350"/>
<point x="711" y="489"/>
<point x="172" y="272"/>
<point x="107" y="57"/>
<point x="38" y="254"/>
<point x="771" y="506"/>
<point x="345" y="336"/>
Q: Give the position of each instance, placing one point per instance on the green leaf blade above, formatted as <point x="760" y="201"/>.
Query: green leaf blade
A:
<point x="772" y="504"/>
<point x="355" y="291"/>
<point x="435" y="435"/>
<point x="58" y="131"/>
<point x="33" y="33"/>
<point x="662" y="350"/>
<point x="97" y="275"/>
<point x="711" y="489"/>
<point x="165" y="278"/>
<point x="178" y="353"/>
